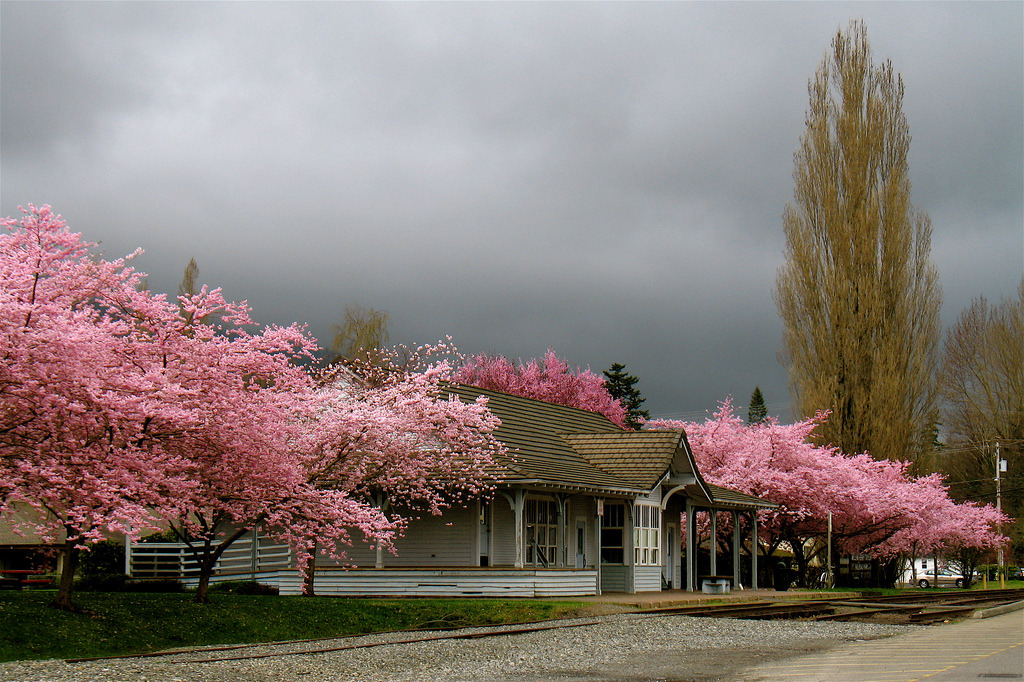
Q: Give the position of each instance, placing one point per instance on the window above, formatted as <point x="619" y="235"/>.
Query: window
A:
<point x="646" y="535"/>
<point x="541" y="532"/>
<point x="612" y="534"/>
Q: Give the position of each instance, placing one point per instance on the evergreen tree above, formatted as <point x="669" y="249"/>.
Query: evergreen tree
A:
<point x="620" y="385"/>
<point x="757" y="412"/>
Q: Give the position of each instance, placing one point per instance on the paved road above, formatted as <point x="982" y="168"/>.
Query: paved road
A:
<point x="989" y="648"/>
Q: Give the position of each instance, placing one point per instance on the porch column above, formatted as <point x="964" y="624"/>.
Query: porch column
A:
<point x="378" y="549"/>
<point x="628" y="549"/>
<point x="255" y="551"/>
<point x="517" y="509"/>
<point x="691" y="559"/>
<point x="562" y="544"/>
<point x="714" y="541"/>
<point x="598" y="520"/>
<point x="128" y="552"/>
<point x="753" y="549"/>
<point x="735" y="548"/>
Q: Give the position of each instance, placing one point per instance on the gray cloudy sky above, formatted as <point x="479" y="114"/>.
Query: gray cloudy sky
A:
<point x="606" y="179"/>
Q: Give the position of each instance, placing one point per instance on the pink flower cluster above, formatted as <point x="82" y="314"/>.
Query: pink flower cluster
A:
<point x="876" y="506"/>
<point x="549" y="379"/>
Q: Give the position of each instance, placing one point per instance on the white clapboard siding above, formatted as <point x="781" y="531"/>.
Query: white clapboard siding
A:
<point x="359" y="553"/>
<point x="503" y="534"/>
<point x="613" y="578"/>
<point x="443" y="582"/>
<point x="647" y="578"/>
<point x="447" y="540"/>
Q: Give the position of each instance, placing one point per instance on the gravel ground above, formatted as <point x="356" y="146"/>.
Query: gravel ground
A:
<point x="618" y="647"/>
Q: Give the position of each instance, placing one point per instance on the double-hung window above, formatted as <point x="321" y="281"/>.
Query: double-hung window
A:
<point x="646" y="535"/>
<point x="612" y="526"/>
<point x="541" y="532"/>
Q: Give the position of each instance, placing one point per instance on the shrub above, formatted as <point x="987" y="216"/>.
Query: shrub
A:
<point x="243" y="587"/>
<point x="103" y="582"/>
<point x="115" y="582"/>
<point x="154" y="585"/>
<point x="102" y="559"/>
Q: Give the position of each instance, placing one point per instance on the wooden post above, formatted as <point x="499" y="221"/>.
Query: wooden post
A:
<point x="562" y="544"/>
<point x="598" y="520"/>
<point x="517" y="509"/>
<point x="714" y="541"/>
<point x="255" y="551"/>
<point x="753" y="549"/>
<point x="735" y="549"/>
<point x="128" y="552"/>
<point x="691" y="559"/>
<point x="628" y="548"/>
<point x="378" y="549"/>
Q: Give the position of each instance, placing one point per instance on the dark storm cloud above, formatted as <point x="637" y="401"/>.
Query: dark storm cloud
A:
<point x="606" y="179"/>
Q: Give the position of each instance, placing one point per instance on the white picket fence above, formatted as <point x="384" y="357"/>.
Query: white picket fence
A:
<point x="248" y="555"/>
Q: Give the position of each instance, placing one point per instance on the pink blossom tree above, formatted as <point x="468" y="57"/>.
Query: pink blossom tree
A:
<point x="247" y="401"/>
<point x="876" y="506"/>
<point x="391" y="435"/>
<point x="118" y="407"/>
<point x="549" y="379"/>
<point x="84" y="420"/>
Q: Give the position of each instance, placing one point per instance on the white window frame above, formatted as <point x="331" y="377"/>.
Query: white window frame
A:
<point x="614" y="519"/>
<point x="646" y="534"/>
<point x="541" y="518"/>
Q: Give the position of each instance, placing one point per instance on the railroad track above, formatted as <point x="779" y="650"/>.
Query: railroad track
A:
<point x="922" y="607"/>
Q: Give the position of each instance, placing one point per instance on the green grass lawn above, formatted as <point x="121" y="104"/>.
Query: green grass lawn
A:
<point x="994" y="585"/>
<point x="122" y="623"/>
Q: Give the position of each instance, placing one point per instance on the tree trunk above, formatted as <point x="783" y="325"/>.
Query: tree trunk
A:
<point x="207" y="561"/>
<point x="67" y="577"/>
<point x="801" y="560"/>
<point x="307" y="580"/>
<point x="203" y="588"/>
<point x="206" y="564"/>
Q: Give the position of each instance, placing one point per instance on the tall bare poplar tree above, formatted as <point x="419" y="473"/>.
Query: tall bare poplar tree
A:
<point x="858" y="294"/>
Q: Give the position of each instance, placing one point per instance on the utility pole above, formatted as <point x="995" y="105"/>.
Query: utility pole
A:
<point x="829" y="584"/>
<point x="1000" y="466"/>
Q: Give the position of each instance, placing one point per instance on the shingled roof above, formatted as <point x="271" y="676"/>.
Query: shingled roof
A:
<point x="534" y="430"/>
<point x="640" y="458"/>
<point x="569" y="448"/>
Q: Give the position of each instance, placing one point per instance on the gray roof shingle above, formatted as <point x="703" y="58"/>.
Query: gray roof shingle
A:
<point x="566" y="447"/>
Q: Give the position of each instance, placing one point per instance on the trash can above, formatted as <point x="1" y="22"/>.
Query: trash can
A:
<point x="782" y="577"/>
